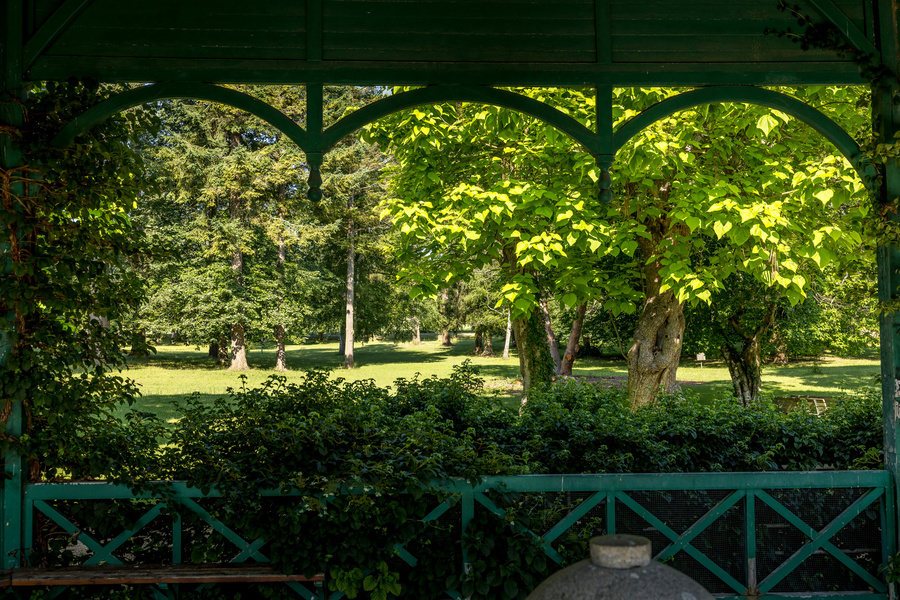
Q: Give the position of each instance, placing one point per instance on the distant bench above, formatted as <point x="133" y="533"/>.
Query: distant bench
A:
<point x="816" y="404"/>
<point x="149" y="574"/>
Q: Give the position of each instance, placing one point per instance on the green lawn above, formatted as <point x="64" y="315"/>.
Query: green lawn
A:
<point x="177" y="371"/>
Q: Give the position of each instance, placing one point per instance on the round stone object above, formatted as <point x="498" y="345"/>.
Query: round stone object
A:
<point x="644" y="579"/>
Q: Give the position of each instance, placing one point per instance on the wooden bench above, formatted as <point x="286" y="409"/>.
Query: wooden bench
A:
<point x="149" y="574"/>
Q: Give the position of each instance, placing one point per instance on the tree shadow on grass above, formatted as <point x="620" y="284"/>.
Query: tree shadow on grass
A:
<point x="837" y="377"/>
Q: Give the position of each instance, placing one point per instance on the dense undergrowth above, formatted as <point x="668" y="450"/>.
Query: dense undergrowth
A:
<point x="323" y="433"/>
<point x="323" y="437"/>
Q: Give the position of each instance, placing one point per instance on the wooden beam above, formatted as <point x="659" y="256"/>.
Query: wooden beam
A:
<point x="52" y="28"/>
<point x="856" y="37"/>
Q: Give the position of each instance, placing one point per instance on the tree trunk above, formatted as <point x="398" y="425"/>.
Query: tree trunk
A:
<point x="417" y="332"/>
<point x="535" y="362"/>
<point x="349" y="290"/>
<point x="488" y="350"/>
<point x="745" y="368"/>
<point x="568" y="359"/>
<point x="508" y="336"/>
<point x="445" y="311"/>
<point x="656" y="350"/>
<point x="743" y="356"/>
<point x="238" y="344"/>
<point x="139" y="344"/>
<point x="280" y="352"/>
<point x="479" y="341"/>
<point x="214" y="350"/>
<point x="238" y="349"/>
<point x="552" y="344"/>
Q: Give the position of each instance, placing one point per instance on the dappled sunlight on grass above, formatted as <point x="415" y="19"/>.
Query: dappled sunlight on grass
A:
<point x="175" y="372"/>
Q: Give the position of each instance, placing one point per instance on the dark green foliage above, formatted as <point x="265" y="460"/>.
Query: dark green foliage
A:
<point x="69" y="291"/>
<point x="322" y="438"/>
<point x="574" y="428"/>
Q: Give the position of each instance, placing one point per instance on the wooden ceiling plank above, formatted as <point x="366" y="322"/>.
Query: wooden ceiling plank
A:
<point x="840" y="20"/>
<point x="647" y="73"/>
<point x="52" y="28"/>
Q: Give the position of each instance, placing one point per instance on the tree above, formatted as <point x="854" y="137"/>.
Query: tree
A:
<point x="358" y="249"/>
<point x="477" y="187"/>
<point x="722" y="191"/>
<point x="480" y="184"/>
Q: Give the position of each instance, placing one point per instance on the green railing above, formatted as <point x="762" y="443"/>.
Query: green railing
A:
<point x="767" y="535"/>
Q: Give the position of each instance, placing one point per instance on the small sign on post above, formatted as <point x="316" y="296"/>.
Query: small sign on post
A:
<point x="700" y="358"/>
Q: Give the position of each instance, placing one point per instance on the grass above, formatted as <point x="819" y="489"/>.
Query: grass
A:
<point x="177" y="371"/>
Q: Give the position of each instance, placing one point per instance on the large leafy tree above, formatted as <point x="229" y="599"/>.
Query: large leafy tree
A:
<point x="480" y="187"/>
<point x="725" y="191"/>
<point x="706" y="194"/>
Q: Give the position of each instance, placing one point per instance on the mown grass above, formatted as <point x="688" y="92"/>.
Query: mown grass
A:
<point x="175" y="372"/>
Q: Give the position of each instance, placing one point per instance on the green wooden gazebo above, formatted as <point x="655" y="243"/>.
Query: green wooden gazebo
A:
<point x="467" y="50"/>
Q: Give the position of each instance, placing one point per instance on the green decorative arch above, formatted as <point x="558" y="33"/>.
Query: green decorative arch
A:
<point x="833" y="132"/>
<point x="459" y="93"/>
<point x="174" y="89"/>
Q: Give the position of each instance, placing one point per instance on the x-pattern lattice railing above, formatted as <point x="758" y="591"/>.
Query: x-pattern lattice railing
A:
<point x="606" y="494"/>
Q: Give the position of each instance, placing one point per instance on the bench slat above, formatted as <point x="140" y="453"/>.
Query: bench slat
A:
<point x="127" y="574"/>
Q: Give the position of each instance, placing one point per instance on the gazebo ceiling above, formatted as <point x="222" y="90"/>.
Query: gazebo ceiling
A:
<point x="496" y="42"/>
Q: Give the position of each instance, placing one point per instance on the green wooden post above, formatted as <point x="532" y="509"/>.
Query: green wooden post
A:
<point x="11" y="117"/>
<point x="886" y="119"/>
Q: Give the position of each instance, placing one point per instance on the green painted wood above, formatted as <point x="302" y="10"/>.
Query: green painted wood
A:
<point x="886" y="125"/>
<point x="251" y="552"/>
<point x="817" y="539"/>
<point x="610" y="513"/>
<point x="11" y="534"/>
<point x="435" y="514"/>
<point x="405" y="556"/>
<point x="603" y="31"/>
<point x="177" y="538"/>
<point x="493" y="42"/>
<point x="361" y="72"/>
<point x="67" y="526"/>
<point x="847" y="27"/>
<point x="198" y="91"/>
<point x="574" y="515"/>
<point x="750" y="532"/>
<point x="549" y="550"/>
<point x="688" y="549"/>
<point x="314" y="26"/>
<point x="106" y="554"/>
<point x="98" y="490"/>
<point x="221" y="528"/>
<point x="700" y="525"/>
<point x="479" y="95"/>
<point x="833" y="132"/>
<point x="52" y="28"/>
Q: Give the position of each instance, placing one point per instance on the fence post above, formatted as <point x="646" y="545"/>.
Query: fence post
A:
<point x="11" y="118"/>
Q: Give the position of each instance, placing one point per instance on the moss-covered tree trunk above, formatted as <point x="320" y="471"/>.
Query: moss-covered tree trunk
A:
<point x="743" y="354"/>
<point x="745" y="368"/>
<point x="656" y="347"/>
<point x="535" y="363"/>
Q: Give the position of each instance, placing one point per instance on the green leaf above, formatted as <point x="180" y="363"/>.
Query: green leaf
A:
<point x="766" y="124"/>
<point x="721" y="228"/>
<point x="740" y="236"/>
